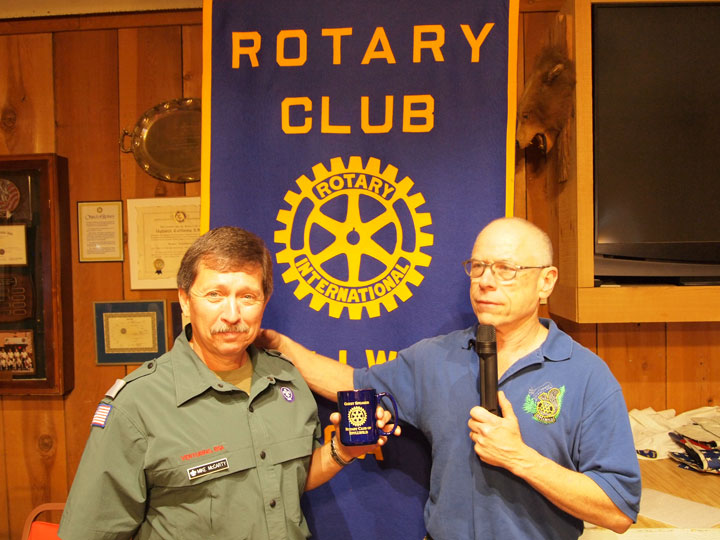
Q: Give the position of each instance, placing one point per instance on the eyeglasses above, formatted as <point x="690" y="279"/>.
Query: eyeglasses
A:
<point x="503" y="271"/>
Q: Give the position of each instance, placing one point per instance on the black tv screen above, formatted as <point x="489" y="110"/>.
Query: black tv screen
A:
<point x="656" y="134"/>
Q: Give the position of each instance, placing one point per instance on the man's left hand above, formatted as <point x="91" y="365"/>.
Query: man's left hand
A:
<point x="382" y="418"/>
<point x="497" y="439"/>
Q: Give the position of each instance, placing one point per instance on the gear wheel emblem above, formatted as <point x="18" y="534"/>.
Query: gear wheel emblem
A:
<point x="353" y="237"/>
<point x="357" y="416"/>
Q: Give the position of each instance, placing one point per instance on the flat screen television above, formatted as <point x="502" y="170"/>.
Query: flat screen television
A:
<point x="656" y="141"/>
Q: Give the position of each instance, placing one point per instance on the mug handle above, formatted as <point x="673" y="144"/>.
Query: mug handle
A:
<point x="397" y="416"/>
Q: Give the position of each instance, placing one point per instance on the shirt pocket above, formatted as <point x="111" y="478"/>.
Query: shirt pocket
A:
<point x="292" y="456"/>
<point x="191" y="500"/>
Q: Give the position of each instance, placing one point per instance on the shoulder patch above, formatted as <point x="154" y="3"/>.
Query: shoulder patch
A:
<point x="101" y="415"/>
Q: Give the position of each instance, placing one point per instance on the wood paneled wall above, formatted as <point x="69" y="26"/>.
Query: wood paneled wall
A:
<point x="70" y="85"/>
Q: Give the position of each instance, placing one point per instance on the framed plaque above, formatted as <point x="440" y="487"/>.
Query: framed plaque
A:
<point x="159" y="233"/>
<point x="36" y="329"/>
<point x="100" y="231"/>
<point x="129" y="332"/>
<point x="166" y="140"/>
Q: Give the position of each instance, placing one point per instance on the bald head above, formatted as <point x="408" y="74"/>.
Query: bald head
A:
<point x="512" y="305"/>
<point x="530" y="243"/>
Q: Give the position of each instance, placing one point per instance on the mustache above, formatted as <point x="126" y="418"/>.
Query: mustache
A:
<point x="222" y="329"/>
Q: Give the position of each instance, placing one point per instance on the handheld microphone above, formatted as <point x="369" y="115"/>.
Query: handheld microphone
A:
<point x="486" y="349"/>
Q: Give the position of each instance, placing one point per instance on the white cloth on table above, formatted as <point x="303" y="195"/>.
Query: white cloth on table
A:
<point x="650" y="428"/>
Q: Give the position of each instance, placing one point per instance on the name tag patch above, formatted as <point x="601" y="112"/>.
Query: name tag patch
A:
<point x="208" y="468"/>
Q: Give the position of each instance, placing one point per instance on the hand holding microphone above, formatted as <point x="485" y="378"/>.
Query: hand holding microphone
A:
<point x="486" y="349"/>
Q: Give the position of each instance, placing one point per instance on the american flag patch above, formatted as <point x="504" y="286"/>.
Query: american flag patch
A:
<point x="101" y="415"/>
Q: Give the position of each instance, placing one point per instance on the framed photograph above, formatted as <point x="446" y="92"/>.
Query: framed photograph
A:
<point x="159" y="233"/>
<point x="100" y="231"/>
<point x="36" y="299"/>
<point x="17" y="352"/>
<point x="129" y="332"/>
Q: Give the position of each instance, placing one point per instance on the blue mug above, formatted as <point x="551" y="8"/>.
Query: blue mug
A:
<point x="358" y="426"/>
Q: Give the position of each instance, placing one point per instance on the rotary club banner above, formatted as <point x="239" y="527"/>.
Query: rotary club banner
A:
<point x="367" y="143"/>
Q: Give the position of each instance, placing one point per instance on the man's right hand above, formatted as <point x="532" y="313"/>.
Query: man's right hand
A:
<point x="268" y="338"/>
<point x="324" y="375"/>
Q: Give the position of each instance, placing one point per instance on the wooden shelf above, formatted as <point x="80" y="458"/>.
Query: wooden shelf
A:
<point x="637" y="303"/>
<point x="575" y="297"/>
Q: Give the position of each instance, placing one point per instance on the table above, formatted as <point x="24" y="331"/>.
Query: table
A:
<point x="665" y="475"/>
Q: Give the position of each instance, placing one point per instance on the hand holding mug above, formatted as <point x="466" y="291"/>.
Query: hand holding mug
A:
<point x="347" y="454"/>
<point x="362" y="419"/>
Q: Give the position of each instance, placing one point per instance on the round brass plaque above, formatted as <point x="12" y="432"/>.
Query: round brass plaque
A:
<point x="166" y="141"/>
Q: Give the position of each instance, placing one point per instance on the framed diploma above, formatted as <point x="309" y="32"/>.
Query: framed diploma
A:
<point x="36" y="299"/>
<point x="159" y="233"/>
<point x="100" y="231"/>
<point x="13" y="249"/>
<point x="129" y="332"/>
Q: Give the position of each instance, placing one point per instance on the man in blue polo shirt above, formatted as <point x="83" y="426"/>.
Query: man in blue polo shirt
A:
<point x="562" y="451"/>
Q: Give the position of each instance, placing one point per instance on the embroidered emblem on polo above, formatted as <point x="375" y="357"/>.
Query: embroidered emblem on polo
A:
<point x="544" y="403"/>
<point x="288" y="394"/>
<point x="208" y="468"/>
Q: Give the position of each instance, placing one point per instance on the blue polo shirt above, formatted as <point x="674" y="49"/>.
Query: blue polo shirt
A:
<point x="570" y="409"/>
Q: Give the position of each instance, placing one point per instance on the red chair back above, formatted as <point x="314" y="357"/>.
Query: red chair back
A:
<point x="41" y="530"/>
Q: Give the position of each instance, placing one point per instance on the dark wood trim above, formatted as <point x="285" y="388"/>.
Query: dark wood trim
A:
<point x="528" y="6"/>
<point x="112" y="21"/>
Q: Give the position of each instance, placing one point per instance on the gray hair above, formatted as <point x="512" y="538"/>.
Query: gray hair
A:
<point x="226" y="249"/>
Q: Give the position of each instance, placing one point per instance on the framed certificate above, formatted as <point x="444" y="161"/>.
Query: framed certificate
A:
<point x="13" y="248"/>
<point x="159" y="233"/>
<point x="100" y="231"/>
<point x="129" y="332"/>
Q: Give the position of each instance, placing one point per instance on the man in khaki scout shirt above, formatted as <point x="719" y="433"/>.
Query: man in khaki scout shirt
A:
<point x="216" y="438"/>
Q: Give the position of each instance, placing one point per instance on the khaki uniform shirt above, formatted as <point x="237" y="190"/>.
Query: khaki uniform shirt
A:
<point x="182" y="454"/>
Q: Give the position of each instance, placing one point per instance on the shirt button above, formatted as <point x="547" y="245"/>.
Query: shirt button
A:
<point x="272" y="503"/>
<point x="220" y="385"/>
<point x="262" y="454"/>
<point x="150" y="365"/>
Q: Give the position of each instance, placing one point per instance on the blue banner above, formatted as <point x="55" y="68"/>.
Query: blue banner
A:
<point x="367" y="142"/>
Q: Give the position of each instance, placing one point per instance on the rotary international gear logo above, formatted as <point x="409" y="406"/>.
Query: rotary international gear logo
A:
<point x="353" y="237"/>
<point x="357" y="416"/>
<point x="544" y="403"/>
